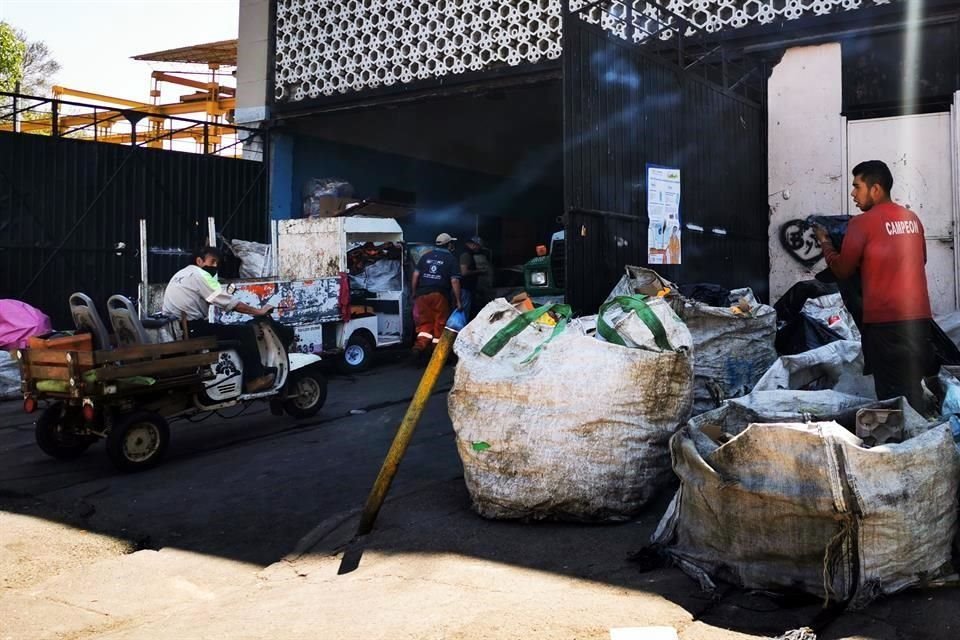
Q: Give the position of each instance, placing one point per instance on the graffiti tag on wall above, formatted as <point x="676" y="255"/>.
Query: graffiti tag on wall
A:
<point x="799" y="240"/>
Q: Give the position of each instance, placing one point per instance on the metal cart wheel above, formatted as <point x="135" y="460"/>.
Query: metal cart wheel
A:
<point x="138" y="441"/>
<point x="56" y="435"/>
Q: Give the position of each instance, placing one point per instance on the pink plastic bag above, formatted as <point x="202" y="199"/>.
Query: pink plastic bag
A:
<point x="19" y="321"/>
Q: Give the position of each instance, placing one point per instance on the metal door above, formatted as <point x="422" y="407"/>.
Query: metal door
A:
<point x="70" y="211"/>
<point x="643" y="89"/>
<point x="921" y="153"/>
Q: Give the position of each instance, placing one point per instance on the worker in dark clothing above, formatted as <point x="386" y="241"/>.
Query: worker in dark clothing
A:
<point x="471" y="270"/>
<point x="436" y="277"/>
<point x="887" y="245"/>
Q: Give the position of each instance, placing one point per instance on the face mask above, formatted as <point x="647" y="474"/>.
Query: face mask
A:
<point x="211" y="270"/>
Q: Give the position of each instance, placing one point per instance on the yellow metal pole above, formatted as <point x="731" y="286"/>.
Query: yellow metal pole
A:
<point x="405" y="432"/>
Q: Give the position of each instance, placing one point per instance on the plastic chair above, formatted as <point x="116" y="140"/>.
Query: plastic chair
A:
<point x="86" y="318"/>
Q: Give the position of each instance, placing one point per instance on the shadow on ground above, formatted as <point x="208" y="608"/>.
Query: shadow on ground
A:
<point x="250" y="488"/>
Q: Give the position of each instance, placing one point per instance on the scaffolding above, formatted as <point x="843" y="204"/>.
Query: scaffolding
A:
<point x="204" y="117"/>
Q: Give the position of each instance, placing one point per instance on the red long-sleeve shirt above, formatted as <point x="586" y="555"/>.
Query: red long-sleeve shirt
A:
<point x="886" y="243"/>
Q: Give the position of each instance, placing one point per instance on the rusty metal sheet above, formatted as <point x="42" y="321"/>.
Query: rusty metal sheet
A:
<point x="310" y="248"/>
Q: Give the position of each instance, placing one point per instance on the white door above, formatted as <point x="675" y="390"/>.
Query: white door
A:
<point x="921" y="155"/>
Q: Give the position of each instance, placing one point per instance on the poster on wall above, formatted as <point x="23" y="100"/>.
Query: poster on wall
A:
<point x="663" y="210"/>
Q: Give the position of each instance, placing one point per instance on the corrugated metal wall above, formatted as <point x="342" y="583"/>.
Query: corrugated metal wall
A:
<point x="65" y="204"/>
<point x="623" y="110"/>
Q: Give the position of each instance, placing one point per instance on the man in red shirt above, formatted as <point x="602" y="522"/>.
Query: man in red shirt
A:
<point x="886" y="244"/>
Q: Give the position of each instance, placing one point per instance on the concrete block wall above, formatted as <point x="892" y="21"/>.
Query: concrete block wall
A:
<point x="252" y="57"/>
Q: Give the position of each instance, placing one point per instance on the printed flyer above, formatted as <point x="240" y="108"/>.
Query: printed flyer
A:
<point x="663" y="210"/>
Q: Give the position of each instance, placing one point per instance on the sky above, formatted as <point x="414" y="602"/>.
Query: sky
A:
<point x="93" y="40"/>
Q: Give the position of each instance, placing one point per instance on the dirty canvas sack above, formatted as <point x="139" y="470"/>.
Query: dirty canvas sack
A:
<point x="733" y="347"/>
<point x="255" y="258"/>
<point x="837" y="366"/>
<point x="378" y="277"/>
<point x="553" y="423"/>
<point x="805" y="506"/>
<point x="646" y="282"/>
<point x="781" y="406"/>
<point x="9" y="377"/>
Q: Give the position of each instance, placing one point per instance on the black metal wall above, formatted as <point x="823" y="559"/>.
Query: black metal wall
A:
<point x="623" y="110"/>
<point x="66" y="204"/>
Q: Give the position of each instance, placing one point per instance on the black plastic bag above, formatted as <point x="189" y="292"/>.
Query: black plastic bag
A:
<point x="710" y="294"/>
<point x="797" y="333"/>
<point x="836" y="226"/>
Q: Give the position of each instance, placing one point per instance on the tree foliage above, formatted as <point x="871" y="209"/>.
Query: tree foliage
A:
<point x="38" y="66"/>
<point x="12" y="52"/>
<point x="26" y="61"/>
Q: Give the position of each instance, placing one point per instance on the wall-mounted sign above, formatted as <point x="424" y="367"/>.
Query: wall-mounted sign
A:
<point x="663" y="211"/>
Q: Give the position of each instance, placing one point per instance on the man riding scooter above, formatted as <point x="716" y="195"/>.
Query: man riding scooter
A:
<point x="190" y="293"/>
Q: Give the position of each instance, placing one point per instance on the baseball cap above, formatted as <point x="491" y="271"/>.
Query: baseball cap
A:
<point x="477" y="240"/>
<point x="445" y="238"/>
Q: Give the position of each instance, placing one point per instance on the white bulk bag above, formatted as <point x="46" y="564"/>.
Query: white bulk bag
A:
<point x="732" y="350"/>
<point x="805" y="506"/>
<point x="837" y="365"/>
<point x="255" y="259"/>
<point x="557" y="424"/>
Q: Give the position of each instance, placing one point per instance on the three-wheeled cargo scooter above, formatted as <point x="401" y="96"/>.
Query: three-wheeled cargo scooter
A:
<point x="128" y="393"/>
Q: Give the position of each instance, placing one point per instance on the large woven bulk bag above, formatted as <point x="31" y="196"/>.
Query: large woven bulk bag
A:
<point x="553" y="423"/>
<point x="733" y="346"/>
<point x="805" y="506"/>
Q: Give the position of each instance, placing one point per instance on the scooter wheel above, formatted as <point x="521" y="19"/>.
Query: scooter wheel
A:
<point x="308" y="393"/>
<point x="138" y="441"/>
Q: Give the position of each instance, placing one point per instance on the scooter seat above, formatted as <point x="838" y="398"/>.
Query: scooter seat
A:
<point x="156" y="323"/>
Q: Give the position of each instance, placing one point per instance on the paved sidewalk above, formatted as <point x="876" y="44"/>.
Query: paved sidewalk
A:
<point x="431" y="569"/>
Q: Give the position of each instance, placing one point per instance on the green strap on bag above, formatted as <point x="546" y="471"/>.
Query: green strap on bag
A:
<point x="516" y="326"/>
<point x="637" y="304"/>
